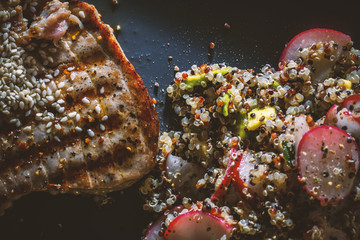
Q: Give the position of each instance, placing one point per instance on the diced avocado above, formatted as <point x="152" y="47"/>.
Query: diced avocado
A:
<point x="275" y="84"/>
<point x="241" y="126"/>
<point x="345" y="83"/>
<point x="225" y="108"/>
<point x="195" y="80"/>
<point x="257" y="117"/>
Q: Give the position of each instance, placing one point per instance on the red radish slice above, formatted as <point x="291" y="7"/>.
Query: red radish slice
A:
<point x="314" y="36"/>
<point x="247" y="166"/>
<point x="328" y="162"/>
<point x="347" y="121"/>
<point x="330" y="117"/>
<point x="300" y="128"/>
<point x="183" y="174"/>
<point x="343" y="119"/>
<point x="153" y="232"/>
<point x="198" y="225"/>
<point x="352" y="103"/>
<point x="225" y="181"/>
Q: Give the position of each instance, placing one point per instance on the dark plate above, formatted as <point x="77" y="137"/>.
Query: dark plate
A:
<point x="152" y="31"/>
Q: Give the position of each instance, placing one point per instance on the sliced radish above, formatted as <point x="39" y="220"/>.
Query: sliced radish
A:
<point x="347" y="121"/>
<point x="300" y="128"/>
<point x="155" y="229"/>
<point x="243" y="179"/>
<point x="330" y="117"/>
<point x="183" y="174"/>
<point x="221" y="188"/>
<point x="352" y="103"/>
<point x="344" y="119"/>
<point x="313" y="36"/>
<point x="328" y="162"/>
<point x="198" y="225"/>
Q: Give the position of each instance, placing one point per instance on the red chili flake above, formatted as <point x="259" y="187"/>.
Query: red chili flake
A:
<point x="211" y="45"/>
<point x="228" y="86"/>
<point x="197" y="115"/>
<point x="266" y="173"/>
<point x="310" y="120"/>
<point x="101" y="139"/>
<point x="291" y="91"/>
<point x="214" y="211"/>
<point x="201" y="99"/>
<point x="272" y="211"/>
<point x="227" y="26"/>
<point x="87" y="140"/>
<point x="22" y="145"/>
<point x="274" y="135"/>
<point x="154" y="101"/>
<point x="184" y="75"/>
<point x="220" y="103"/>
<point x="177" y="80"/>
<point x="91" y="119"/>
<point x="207" y="69"/>
<point x="249" y="91"/>
<point x="276" y="160"/>
<point x="231" y="104"/>
<point x="202" y="67"/>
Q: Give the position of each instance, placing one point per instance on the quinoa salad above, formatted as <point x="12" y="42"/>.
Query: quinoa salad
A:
<point x="263" y="155"/>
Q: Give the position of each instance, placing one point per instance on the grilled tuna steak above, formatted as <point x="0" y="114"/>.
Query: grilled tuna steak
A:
<point x="74" y="114"/>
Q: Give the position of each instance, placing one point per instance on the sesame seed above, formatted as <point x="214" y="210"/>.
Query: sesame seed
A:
<point x="77" y="118"/>
<point x="86" y="100"/>
<point x="78" y="129"/>
<point x="104" y="118"/>
<point x="102" y="90"/>
<point x="72" y="76"/>
<point x="57" y="126"/>
<point x="72" y="114"/>
<point x="102" y="127"/>
<point x="64" y="119"/>
<point x="50" y="98"/>
<point x="82" y="14"/>
<point x="90" y="133"/>
<point x="61" y="109"/>
<point x="97" y="109"/>
<point x="56" y="73"/>
<point x="71" y="69"/>
<point x="61" y="85"/>
<point x="27" y="129"/>
<point x="49" y="124"/>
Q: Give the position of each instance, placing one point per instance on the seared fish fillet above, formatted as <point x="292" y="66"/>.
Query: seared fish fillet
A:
<point x="74" y="114"/>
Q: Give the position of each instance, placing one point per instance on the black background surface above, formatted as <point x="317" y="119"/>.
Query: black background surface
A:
<point x="150" y="32"/>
